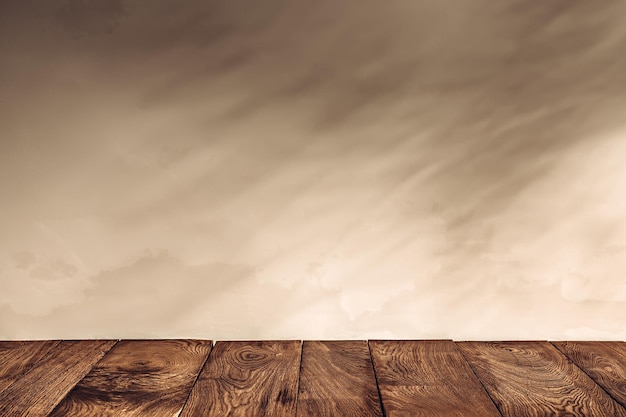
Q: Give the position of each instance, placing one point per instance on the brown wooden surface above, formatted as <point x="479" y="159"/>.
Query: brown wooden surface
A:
<point x="247" y="379"/>
<point x="16" y="358"/>
<point x="532" y="379"/>
<point x="285" y="379"/>
<point x="38" y="391"/>
<point x="604" y="362"/>
<point x="337" y="379"/>
<point x="428" y="378"/>
<point x="138" y="378"/>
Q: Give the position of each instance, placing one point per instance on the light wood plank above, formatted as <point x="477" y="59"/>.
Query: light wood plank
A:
<point x="337" y="379"/>
<point x="534" y="379"/>
<point x="604" y="362"/>
<point x="37" y="392"/>
<point x="247" y="379"/>
<point x="17" y="357"/>
<point x="150" y="378"/>
<point x="428" y="378"/>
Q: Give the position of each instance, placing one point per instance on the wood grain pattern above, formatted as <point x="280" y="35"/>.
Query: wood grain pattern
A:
<point x="428" y="378"/>
<point x="38" y="391"/>
<point x="337" y="379"/>
<point x="604" y="362"/>
<point x="150" y="378"/>
<point x="532" y="379"/>
<point x="247" y="379"/>
<point x="16" y="358"/>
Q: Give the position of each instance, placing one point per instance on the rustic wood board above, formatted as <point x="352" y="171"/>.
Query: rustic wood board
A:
<point x="533" y="379"/>
<point x="150" y="378"/>
<point x="337" y="379"/>
<point x="40" y="389"/>
<point x="16" y="358"/>
<point x="247" y="379"/>
<point x="604" y="362"/>
<point x="428" y="378"/>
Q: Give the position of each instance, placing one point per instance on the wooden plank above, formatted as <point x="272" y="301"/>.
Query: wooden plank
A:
<point x="532" y="379"/>
<point x="40" y="389"/>
<point x="150" y="378"/>
<point x="17" y="357"/>
<point x="604" y="362"/>
<point x="428" y="378"/>
<point x="247" y="379"/>
<point x="337" y="379"/>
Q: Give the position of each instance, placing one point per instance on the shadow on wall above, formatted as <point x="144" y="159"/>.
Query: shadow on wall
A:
<point x="312" y="169"/>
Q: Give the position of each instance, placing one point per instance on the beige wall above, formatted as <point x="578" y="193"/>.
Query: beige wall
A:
<point x="313" y="169"/>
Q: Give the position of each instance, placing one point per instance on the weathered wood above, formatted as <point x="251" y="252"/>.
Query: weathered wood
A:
<point x="337" y="379"/>
<point x="604" y="362"/>
<point x="247" y="379"/>
<point x="149" y="378"/>
<point x="40" y="389"/>
<point x="533" y="379"/>
<point x="416" y="378"/>
<point x="428" y="378"/>
<point x="16" y="358"/>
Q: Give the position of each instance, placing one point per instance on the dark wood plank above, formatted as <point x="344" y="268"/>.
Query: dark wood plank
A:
<point x="17" y="357"/>
<point x="40" y="389"/>
<point x="604" y="362"/>
<point x="532" y="379"/>
<point x="428" y="378"/>
<point x="337" y="379"/>
<point x="247" y="379"/>
<point x="150" y="378"/>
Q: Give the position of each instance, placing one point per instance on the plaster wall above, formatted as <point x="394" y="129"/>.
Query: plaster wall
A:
<point x="313" y="169"/>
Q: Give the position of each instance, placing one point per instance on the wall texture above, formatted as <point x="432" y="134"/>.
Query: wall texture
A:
<point x="313" y="169"/>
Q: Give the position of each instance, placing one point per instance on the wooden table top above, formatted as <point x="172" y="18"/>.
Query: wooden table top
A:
<point x="376" y="378"/>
